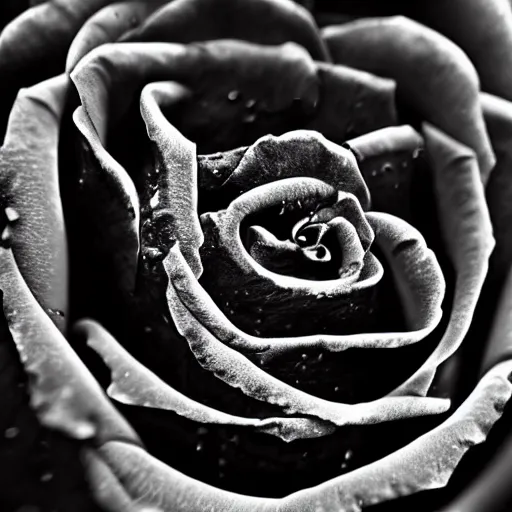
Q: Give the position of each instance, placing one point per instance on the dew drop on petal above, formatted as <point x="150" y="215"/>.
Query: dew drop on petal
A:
<point x="46" y="477"/>
<point x="233" y="95"/>
<point x="11" y="432"/>
<point x="250" y="118"/>
<point x="11" y="214"/>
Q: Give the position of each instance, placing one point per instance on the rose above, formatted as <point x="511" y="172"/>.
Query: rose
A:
<point x="18" y="236"/>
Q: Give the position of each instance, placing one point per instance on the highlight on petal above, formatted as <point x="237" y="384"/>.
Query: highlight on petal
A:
<point x="467" y="231"/>
<point x="434" y="77"/>
<point x="29" y="181"/>
<point x="108" y="25"/>
<point x="133" y="384"/>
<point x="175" y="199"/>
<point x="63" y="393"/>
<point x="122" y="475"/>
<point x="270" y="22"/>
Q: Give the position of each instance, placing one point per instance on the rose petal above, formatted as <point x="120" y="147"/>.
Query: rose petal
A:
<point x="29" y="182"/>
<point x="433" y="76"/>
<point x="415" y="269"/>
<point x="300" y="153"/>
<point x="483" y="29"/>
<point x="65" y="396"/>
<point x="259" y="21"/>
<point x="133" y="384"/>
<point x="126" y="473"/>
<point x="210" y="69"/>
<point x="108" y="25"/>
<point x="498" y="116"/>
<point x="28" y="60"/>
<point x="234" y="369"/>
<point x="352" y="102"/>
<point x="109" y="196"/>
<point x="176" y="165"/>
<point x="467" y="231"/>
<point x="388" y="159"/>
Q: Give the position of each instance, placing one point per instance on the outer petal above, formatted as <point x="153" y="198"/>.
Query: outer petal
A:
<point x="483" y="29"/>
<point x="269" y="22"/>
<point x="434" y="76"/>
<point x="29" y="182"/>
<point x="126" y="476"/>
<point x="467" y="231"/>
<point x="108" y="25"/>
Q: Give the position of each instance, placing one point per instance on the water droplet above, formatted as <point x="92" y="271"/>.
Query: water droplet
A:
<point x="305" y="454"/>
<point x="336" y="389"/>
<point x="259" y="309"/>
<point x="246" y="292"/>
<point x="11" y="214"/>
<point x="320" y="357"/>
<point x="231" y="312"/>
<point x="6" y="236"/>
<point x="344" y="465"/>
<point x="348" y="454"/>
<point x="126" y="374"/>
<point x="249" y="119"/>
<point x="288" y="326"/>
<point x="81" y="181"/>
<point x="257" y="333"/>
<point x="396" y="185"/>
<point x="304" y="356"/>
<point x="358" y="104"/>
<point x="202" y="431"/>
<point x="46" y="477"/>
<point x="321" y="295"/>
<point x="259" y="321"/>
<point x="250" y="103"/>
<point x="233" y="95"/>
<point x="222" y="462"/>
<point x="416" y="153"/>
<point x="148" y="329"/>
<point x="374" y="173"/>
<point x="11" y="432"/>
<point x="199" y="447"/>
<point x="216" y="172"/>
<point x="303" y="367"/>
<point x="387" y="167"/>
<point x="223" y="447"/>
<point x="56" y="312"/>
<point x="235" y="439"/>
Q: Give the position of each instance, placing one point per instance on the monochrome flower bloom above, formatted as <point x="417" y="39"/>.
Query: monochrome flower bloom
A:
<point x="274" y="240"/>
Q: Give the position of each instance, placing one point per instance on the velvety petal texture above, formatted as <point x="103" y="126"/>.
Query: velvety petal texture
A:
<point x="248" y="264"/>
